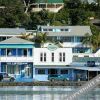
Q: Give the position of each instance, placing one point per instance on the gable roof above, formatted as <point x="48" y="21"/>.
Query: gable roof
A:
<point x="15" y="40"/>
<point x="12" y="31"/>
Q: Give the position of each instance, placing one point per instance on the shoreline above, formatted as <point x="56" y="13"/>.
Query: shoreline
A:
<point x="56" y="83"/>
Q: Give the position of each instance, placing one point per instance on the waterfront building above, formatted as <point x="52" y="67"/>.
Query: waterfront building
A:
<point x="50" y="5"/>
<point x="70" y="38"/>
<point x="6" y="33"/>
<point x="16" y="57"/>
<point x="64" y="54"/>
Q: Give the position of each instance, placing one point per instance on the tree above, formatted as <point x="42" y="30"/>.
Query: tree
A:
<point x="13" y="14"/>
<point x="27" y="4"/>
<point x="94" y="39"/>
<point x="41" y="38"/>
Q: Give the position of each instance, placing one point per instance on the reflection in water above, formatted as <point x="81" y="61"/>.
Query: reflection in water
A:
<point x="43" y="93"/>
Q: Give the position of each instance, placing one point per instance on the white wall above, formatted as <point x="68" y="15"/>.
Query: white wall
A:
<point x="68" y="56"/>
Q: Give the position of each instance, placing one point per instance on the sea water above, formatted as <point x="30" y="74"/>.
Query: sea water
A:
<point x="44" y="93"/>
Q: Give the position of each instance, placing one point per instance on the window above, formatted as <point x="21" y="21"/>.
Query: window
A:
<point x="44" y="57"/>
<point x="50" y="29"/>
<point x="41" y="57"/>
<point x="3" y="52"/>
<point x="19" y="51"/>
<point x="62" y="29"/>
<point x="44" y="29"/>
<point x="70" y="39"/>
<point x="60" y="57"/>
<point x="30" y="52"/>
<point x="9" y="52"/>
<point x="79" y="39"/>
<point x="64" y="71"/>
<point x="41" y="71"/>
<point x="63" y="57"/>
<point x="25" y="52"/>
<point x="66" y="29"/>
<point x="52" y="57"/>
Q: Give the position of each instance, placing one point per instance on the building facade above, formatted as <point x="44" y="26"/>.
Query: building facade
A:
<point x="16" y="57"/>
<point x="72" y="59"/>
<point x="50" y="5"/>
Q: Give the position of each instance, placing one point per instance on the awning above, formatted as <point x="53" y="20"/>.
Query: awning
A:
<point x="88" y="68"/>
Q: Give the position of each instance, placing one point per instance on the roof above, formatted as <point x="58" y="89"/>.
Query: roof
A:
<point x="15" y="40"/>
<point x="87" y="68"/>
<point x="72" y="30"/>
<point x="49" y="1"/>
<point x="12" y="31"/>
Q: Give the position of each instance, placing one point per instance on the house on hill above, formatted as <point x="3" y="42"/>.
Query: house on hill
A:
<point x="50" y="5"/>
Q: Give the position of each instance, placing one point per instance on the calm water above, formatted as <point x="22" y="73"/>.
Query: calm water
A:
<point x="44" y="93"/>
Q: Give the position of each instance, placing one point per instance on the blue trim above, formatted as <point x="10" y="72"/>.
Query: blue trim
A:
<point x="16" y="46"/>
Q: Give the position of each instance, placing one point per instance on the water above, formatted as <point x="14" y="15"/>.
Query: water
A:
<point x="44" y="93"/>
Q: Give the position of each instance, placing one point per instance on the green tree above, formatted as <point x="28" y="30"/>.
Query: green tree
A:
<point x="94" y="39"/>
<point x="13" y="14"/>
<point x="41" y="38"/>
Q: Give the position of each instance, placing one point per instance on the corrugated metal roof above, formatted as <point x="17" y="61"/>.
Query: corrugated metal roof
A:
<point x="72" y="30"/>
<point x="15" y="40"/>
<point x="12" y="31"/>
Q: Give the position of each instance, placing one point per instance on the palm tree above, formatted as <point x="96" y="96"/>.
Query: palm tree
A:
<point x="26" y="36"/>
<point x="94" y="39"/>
<point x="41" y="38"/>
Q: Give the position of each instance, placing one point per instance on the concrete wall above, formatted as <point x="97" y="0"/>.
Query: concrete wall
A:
<point x="38" y="51"/>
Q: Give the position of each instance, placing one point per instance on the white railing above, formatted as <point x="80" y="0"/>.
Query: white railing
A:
<point x="50" y="9"/>
<point x="16" y="59"/>
<point x="84" y="89"/>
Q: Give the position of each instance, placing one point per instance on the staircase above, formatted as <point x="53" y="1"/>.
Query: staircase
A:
<point x="84" y="89"/>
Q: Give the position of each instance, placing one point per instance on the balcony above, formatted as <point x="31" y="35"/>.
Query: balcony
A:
<point x="16" y="59"/>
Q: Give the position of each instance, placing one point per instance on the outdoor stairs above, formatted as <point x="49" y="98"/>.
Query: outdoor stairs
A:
<point x="84" y="89"/>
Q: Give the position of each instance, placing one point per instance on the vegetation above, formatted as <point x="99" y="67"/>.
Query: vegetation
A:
<point x="94" y="39"/>
<point x="40" y="39"/>
<point x="17" y="13"/>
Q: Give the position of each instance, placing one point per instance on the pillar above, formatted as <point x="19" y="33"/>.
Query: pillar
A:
<point x="46" y="6"/>
<point x="88" y="75"/>
<point x="33" y="72"/>
<point x="0" y="66"/>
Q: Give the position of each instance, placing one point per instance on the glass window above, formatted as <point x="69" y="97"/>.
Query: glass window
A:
<point x="3" y="67"/>
<point x="79" y="39"/>
<point x="50" y="29"/>
<point x="66" y="29"/>
<point x="41" y="71"/>
<point x="52" y="57"/>
<point x="45" y="29"/>
<point x="60" y="57"/>
<point x="63" y="57"/>
<point x="44" y="57"/>
<point x="13" y="52"/>
<point x="69" y="39"/>
<point x="19" y="51"/>
<point x="41" y="57"/>
<point x="10" y="69"/>
<point x="3" y="52"/>
<point x="64" y="71"/>
<point x="62" y="29"/>
<point x="25" y="52"/>
<point x="9" y="52"/>
<point x="30" y="52"/>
